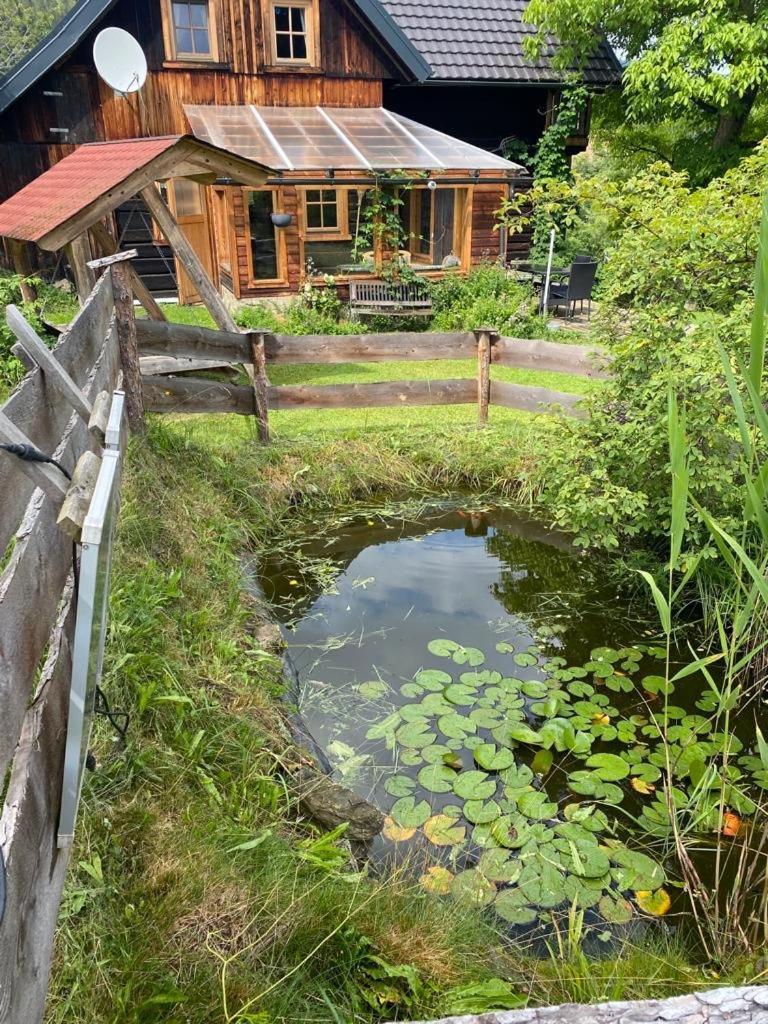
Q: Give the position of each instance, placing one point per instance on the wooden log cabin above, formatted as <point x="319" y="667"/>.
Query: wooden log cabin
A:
<point x="334" y="96"/>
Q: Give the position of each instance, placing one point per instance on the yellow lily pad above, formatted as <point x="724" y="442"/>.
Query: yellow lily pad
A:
<point x="656" y="903"/>
<point x="397" y="833"/>
<point x="442" y="830"/>
<point x="437" y="879"/>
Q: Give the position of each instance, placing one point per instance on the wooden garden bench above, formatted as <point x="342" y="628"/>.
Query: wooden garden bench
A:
<point x="384" y="298"/>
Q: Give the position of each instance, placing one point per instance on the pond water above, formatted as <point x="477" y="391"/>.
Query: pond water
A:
<point x="496" y="695"/>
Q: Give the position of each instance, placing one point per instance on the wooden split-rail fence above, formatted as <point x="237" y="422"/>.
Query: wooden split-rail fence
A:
<point x="168" y="345"/>
<point x="60" y="409"/>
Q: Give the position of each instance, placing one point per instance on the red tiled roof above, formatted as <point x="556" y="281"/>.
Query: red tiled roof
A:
<point x="73" y="183"/>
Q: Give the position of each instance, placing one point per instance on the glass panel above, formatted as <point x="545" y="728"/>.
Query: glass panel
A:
<point x="181" y="15"/>
<point x="328" y="257"/>
<point x="424" y="222"/>
<point x="184" y="40"/>
<point x="198" y="15"/>
<point x="328" y="195"/>
<point x="445" y="203"/>
<point x="314" y="219"/>
<point x="187" y="197"/>
<point x="298" y="15"/>
<point x="200" y="39"/>
<point x="330" y="216"/>
<point x="299" y="47"/>
<point x="283" y="47"/>
<point x="281" y="19"/>
<point x="263" y="236"/>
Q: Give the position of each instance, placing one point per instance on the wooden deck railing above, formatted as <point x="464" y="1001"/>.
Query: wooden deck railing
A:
<point x="183" y="394"/>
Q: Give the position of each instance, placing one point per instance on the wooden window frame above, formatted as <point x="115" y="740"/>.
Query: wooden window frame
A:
<point x="281" y="249"/>
<point x="341" y="232"/>
<point x="223" y="194"/>
<point x="312" y="60"/>
<point x="172" y="54"/>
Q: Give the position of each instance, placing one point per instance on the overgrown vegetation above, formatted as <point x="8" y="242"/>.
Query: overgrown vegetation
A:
<point x="199" y="893"/>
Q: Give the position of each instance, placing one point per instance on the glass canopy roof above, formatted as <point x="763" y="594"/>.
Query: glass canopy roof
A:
<point x="338" y="138"/>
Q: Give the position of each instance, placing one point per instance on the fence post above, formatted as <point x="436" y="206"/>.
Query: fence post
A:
<point x="125" y="323"/>
<point x="260" y="383"/>
<point x="485" y="337"/>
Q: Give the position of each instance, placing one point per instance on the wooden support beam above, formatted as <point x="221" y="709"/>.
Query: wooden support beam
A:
<point x="188" y="258"/>
<point x="97" y="424"/>
<point x="52" y="369"/>
<point x="260" y="383"/>
<point x="19" y="252"/>
<point x="79" y="255"/>
<point x="106" y="242"/>
<point x="42" y="474"/>
<point x="484" y="337"/>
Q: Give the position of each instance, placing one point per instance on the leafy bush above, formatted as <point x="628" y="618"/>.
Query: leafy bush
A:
<point x="676" y="282"/>
<point x="11" y="370"/>
<point x="485" y="297"/>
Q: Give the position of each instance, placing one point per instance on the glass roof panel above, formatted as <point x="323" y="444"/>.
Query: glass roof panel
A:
<point x="337" y="138"/>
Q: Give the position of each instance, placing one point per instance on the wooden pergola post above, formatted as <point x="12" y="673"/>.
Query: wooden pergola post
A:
<point x="485" y="338"/>
<point x="79" y="255"/>
<point x="188" y="258"/>
<point x="21" y="265"/>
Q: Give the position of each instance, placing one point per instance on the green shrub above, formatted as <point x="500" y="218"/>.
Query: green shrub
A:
<point x="11" y="369"/>
<point x="485" y="297"/>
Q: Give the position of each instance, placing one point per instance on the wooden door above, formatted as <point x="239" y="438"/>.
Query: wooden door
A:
<point x="189" y="207"/>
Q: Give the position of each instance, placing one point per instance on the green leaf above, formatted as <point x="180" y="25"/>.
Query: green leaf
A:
<point x="407" y="812"/>
<point x="608" y="767"/>
<point x="373" y="689"/>
<point x="536" y="805"/>
<point x="472" y="889"/>
<point x="400" y="785"/>
<point x="497" y="866"/>
<point x="474" y="785"/>
<point x="512" y="908"/>
<point x="480" y="812"/>
<point x="442" y="648"/>
<point x="437" y="778"/>
<point x="415" y="734"/>
<point x="659" y="600"/>
<point x="492" y="759"/>
<point x="432" y="679"/>
<point x="542" y="762"/>
<point x="481" y="997"/>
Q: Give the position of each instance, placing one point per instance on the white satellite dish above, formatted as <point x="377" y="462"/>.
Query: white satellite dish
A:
<point x="119" y="60"/>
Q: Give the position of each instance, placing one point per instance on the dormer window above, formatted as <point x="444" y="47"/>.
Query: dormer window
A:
<point x="293" y="31"/>
<point x="190" y="30"/>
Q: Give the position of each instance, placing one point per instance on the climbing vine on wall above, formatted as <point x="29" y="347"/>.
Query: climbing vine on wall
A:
<point x="551" y="160"/>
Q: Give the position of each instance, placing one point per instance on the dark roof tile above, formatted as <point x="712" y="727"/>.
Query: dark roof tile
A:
<point x="484" y="42"/>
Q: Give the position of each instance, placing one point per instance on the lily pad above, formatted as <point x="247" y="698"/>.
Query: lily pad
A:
<point x="415" y="734"/>
<point x="442" y="648"/>
<point x="395" y="832"/>
<point x="436" y="753"/>
<point x="657" y="684"/>
<point x="518" y="776"/>
<point x="474" y="785"/>
<point x="522" y="733"/>
<point x="468" y="656"/>
<point x="479" y="812"/>
<point x="400" y="785"/>
<point x="654" y="903"/>
<point x="604" y="654"/>
<point x="455" y="726"/>
<point x="442" y="830"/>
<point x="432" y="678"/>
<point x="437" y="879"/>
<point x="437" y="778"/>
<point x="372" y="690"/>
<point x="406" y="811"/>
<point x="636" y="870"/>
<point x="498" y="866"/>
<point x="472" y="888"/>
<point x="615" y="910"/>
<point x="411" y="690"/>
<point x="542" y="762"/>
<point x="508" y="906"/>
<point x="410" y="757"/>
<point x="464" y="696"/>
<point x="492" y="759"/>
<point x="503" y="647"/>
<point x="608" y="767"/>
<point x="485" y="718"/>
<point x="536" y="805"/>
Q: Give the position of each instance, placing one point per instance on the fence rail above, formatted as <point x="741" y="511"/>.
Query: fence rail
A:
<point x="37" y="617"/>
<point x="158" y="341"/>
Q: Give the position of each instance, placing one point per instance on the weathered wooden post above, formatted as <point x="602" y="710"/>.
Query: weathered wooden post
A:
<point x="485" y="337"/>
<point x="125" y="323"/>
<point x="260" y="383"/>
<point x="80" y="260"/>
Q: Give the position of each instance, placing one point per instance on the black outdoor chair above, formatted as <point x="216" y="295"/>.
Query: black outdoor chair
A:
<point x="578" y="288"/>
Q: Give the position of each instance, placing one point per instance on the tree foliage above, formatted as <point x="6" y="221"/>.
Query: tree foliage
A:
<point x="677" y="282"/>
<point x="703" y="58"/>
<point x="23" y="23"/>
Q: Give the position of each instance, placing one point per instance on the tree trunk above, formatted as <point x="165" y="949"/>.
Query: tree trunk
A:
<point x="731" y="122"/>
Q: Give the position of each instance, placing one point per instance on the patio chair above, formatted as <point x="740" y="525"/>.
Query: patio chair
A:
<point x="579" y="287"/>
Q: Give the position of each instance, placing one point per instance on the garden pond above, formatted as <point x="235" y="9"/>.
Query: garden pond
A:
<point x="502" y="701"/>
